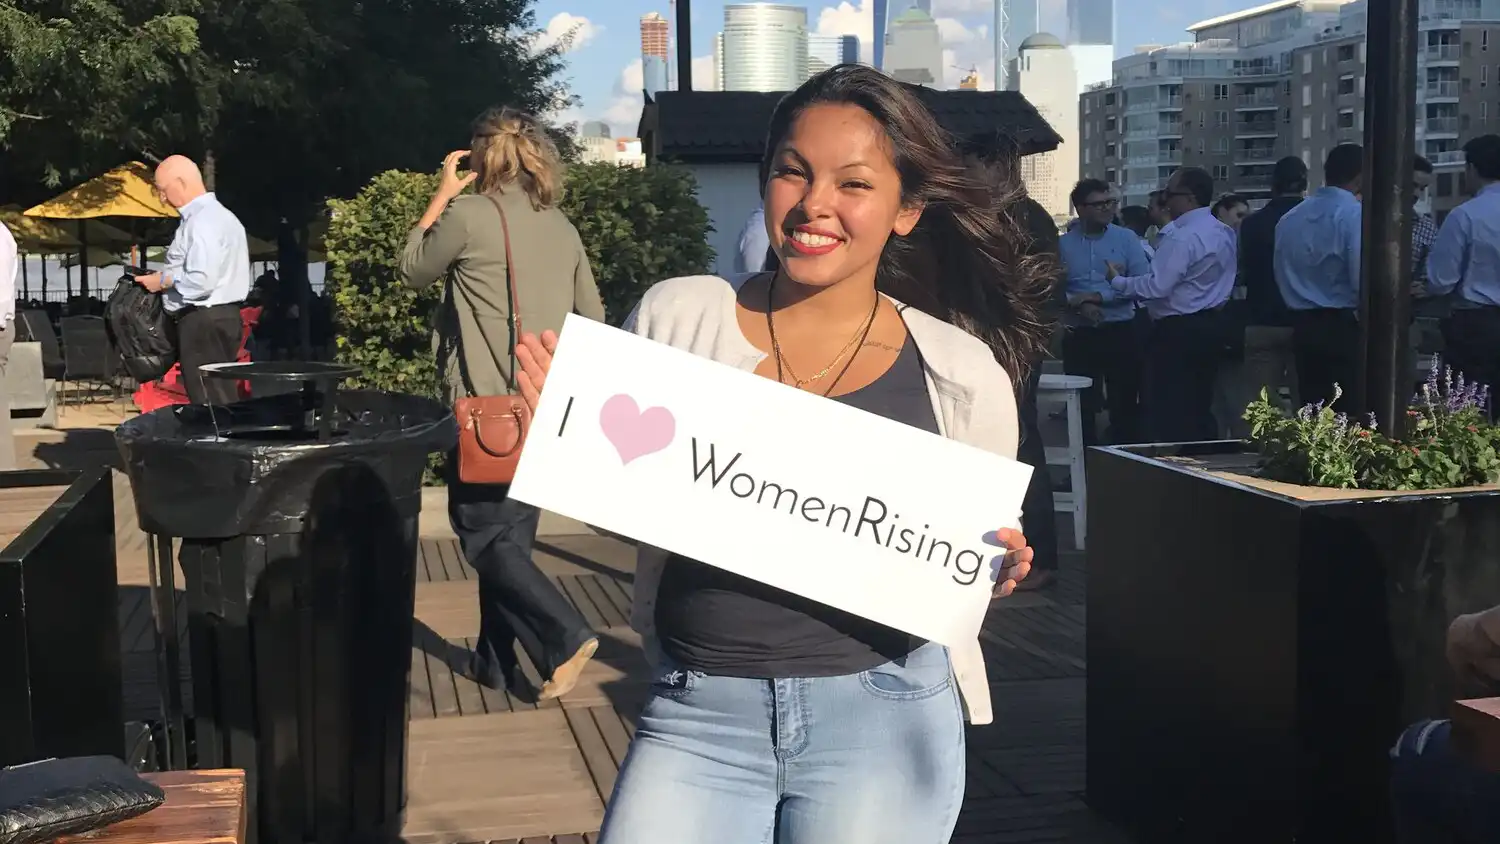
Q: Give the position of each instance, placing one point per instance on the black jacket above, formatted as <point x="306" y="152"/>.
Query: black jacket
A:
<point x="1263" y="302"/>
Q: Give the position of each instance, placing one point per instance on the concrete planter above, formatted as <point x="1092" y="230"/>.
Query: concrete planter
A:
<point x="1254" y="649"/>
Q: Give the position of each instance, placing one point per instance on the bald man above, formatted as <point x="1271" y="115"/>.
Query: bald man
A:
<point x="205" y="282"/>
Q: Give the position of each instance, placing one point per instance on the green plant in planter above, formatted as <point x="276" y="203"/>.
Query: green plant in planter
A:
<point x="1449" y="441"/>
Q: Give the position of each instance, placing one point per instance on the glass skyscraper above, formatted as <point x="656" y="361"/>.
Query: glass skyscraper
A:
<point x="1091" y="22"/>
<point x="765" y="47"/>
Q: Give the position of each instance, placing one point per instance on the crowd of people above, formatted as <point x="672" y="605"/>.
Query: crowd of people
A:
<point x="1181" y="331"/>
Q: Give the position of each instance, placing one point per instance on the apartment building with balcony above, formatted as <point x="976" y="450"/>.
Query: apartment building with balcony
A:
<point x="1287" y="78"/>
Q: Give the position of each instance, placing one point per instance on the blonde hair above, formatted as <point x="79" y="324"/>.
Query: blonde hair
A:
<point x="511" y="146"/>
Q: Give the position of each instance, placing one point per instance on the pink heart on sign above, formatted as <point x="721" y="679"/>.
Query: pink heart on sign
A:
<point x="634" y="432"/>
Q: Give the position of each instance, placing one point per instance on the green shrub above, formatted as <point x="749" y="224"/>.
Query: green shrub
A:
<point x="384" y="327"/>
<point x="640" y="225"/>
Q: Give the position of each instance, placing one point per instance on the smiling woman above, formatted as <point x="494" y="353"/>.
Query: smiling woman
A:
<point x="902" y="290"/>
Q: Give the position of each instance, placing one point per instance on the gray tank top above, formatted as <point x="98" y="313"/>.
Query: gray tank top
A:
<point x="720" y="623"/>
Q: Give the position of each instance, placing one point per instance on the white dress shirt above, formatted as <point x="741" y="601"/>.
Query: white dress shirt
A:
<point x="10" y="269"/>
<point x="754" y="243"/>
<point x="208" y="262"/>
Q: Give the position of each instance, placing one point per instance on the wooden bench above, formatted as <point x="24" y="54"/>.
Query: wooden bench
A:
<point x="1476" y="731"/>
<point x="203" y="807"/>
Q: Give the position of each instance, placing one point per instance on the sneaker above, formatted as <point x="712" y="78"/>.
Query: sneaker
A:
<point x="566" y="676"/>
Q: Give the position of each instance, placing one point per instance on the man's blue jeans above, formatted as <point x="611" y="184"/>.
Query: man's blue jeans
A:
<point x="874" y="758"/>
<point x="1438" y="797"/>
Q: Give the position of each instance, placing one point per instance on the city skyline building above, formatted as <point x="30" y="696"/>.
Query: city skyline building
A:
<point x="656" y="39"/>
<point x="1091" y="22"/>
<point x="877" y="45"/>
<point x="1044" y="74"/>
<point x="765" y="47"/>
<point x="1287" y="78"/>
<point x="914" y="49"/>
<point x="825" y="51"/>
<point x="1015" y="21"/>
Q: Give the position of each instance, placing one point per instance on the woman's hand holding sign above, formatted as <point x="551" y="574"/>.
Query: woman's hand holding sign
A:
<point x="534" y="354"/>
<point x="1017" y="561"/>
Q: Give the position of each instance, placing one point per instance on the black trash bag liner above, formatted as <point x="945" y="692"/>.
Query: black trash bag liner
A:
<point x="138" y="328"/>
<point x="254" y="473"/>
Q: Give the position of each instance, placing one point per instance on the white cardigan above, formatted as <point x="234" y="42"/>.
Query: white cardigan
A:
<point x="972" y="397"/>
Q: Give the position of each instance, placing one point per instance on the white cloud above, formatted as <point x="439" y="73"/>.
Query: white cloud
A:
<point x="848" y="19"/>
<point x="569" y="31"/>
<point x="622" y="111"/>
<point x="953" y="31"/>
<point x="962" y="7"/>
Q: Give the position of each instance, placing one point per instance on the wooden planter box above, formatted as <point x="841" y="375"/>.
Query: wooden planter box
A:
<point x="1255" y="649"/>
<point x="60" y="679"/>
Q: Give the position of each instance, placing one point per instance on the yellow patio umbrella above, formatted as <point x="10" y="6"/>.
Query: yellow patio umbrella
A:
<point x="126" y="191"/>
<point x="35" y="235"/>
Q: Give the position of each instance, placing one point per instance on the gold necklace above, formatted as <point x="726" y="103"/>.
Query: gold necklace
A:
<point x="782" y="363"/>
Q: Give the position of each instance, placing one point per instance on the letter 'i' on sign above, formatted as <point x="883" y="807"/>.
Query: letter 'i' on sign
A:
<point x="714" y="463"/>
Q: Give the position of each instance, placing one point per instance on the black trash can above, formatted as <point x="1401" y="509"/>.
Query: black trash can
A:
<point x="297" y="519"/>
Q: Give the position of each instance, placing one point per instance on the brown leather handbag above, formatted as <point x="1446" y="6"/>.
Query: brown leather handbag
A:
<point x="492" y="429"/>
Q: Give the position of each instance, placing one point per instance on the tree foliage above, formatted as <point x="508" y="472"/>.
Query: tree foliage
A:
<point x="295" y="100"/>
<point x="639" y="225"/>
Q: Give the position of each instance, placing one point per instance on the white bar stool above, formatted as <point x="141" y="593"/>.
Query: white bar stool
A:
<point x="1067" y="390"/>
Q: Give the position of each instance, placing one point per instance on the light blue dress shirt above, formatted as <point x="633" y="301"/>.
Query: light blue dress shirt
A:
<point x="209" y="259"/>
<point x="754" y="244"/>
<point x="1466" y="254"/>
<point x="1085" y="258"/>
<point x="1317" y="252"/>
<point x="1193" y="270"/>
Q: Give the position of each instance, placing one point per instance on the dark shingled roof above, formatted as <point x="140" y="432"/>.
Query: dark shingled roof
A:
<point x="730" y="126"/>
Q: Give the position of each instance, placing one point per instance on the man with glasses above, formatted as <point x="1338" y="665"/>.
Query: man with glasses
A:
<point x="206" y="279"/>
<point x="1190" y="278"/>
<point x="1104" y="340"/>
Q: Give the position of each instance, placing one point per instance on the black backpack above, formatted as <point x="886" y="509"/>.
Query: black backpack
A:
<point x="138" y="328"/>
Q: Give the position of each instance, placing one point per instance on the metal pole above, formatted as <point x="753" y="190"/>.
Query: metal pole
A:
<point x="684" y="45"/>
<point x="1390" y="126"/>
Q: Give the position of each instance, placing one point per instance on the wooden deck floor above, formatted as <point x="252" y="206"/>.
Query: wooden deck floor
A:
<point x="489" y="766"/>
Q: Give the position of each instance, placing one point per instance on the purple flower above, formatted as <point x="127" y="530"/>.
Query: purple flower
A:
<point x="1374" y="423"/>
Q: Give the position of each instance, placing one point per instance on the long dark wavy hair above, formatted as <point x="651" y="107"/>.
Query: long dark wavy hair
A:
<point x="966" y="261"/>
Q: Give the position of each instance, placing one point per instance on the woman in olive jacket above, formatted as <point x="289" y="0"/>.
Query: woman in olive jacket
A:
<point x="460" y="240"/>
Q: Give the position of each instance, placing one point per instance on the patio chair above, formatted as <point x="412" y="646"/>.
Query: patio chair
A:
<point x="34" y="325"/>
<point x="88" y="357"/>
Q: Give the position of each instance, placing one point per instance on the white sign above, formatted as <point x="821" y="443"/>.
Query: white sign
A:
<point x="806" y="494"/>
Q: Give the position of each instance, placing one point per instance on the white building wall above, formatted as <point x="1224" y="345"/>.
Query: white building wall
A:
<point x="730" y="193"/>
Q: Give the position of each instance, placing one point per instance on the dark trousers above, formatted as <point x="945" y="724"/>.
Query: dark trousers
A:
<point x="1112" y="354"/>
<point x="1471" y="343"/>
<point x="1325" y="343"/>
<point x="1040" y="519"/>
<point x="1183" y="354"/>
<point x="204" y="336"/>
<point x="517" y="603"/>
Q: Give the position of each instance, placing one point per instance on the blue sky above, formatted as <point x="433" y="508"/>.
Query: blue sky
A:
<point x="604" y="58"/>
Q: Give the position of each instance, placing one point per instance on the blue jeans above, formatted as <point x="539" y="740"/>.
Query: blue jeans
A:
<point x="874" y="758"/>
<point x="1438" y="797"/>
